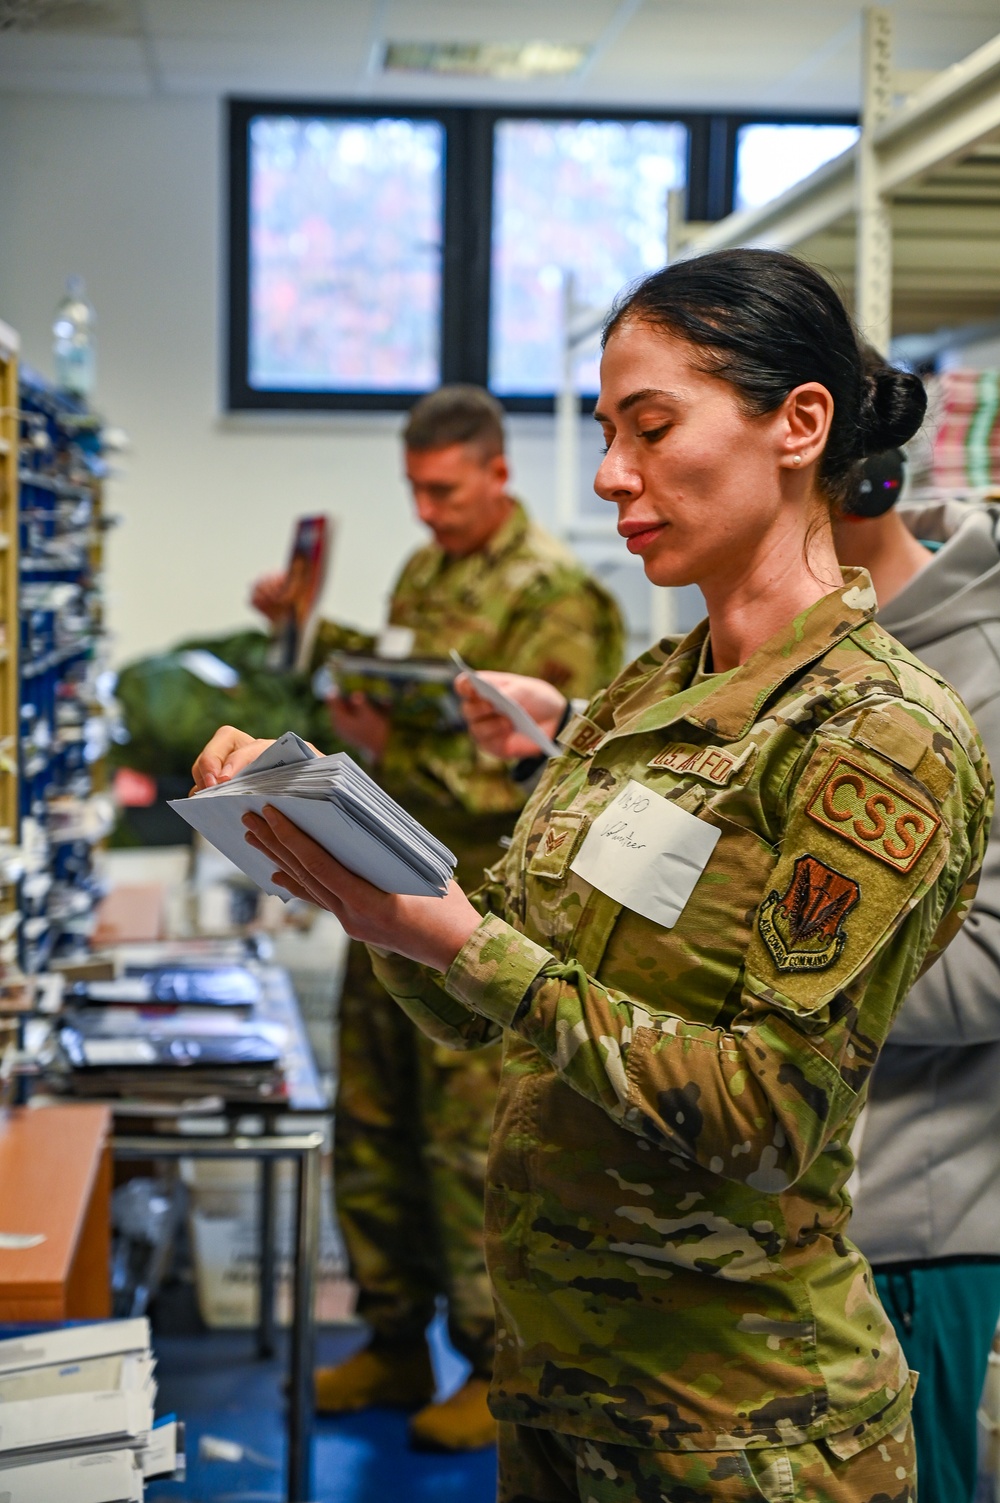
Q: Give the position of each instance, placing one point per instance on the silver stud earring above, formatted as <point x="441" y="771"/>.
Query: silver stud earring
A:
<point x="796" y="459"/>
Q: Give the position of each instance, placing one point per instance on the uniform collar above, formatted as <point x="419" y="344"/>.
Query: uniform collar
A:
<point x="508" y="535"/>
<point x="727" y="704"/>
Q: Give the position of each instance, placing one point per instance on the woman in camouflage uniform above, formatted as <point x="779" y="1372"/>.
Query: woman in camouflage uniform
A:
<point x="716" y="899"/>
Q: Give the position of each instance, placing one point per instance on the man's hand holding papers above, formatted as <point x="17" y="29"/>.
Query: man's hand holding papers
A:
<point x="493" y="730"/>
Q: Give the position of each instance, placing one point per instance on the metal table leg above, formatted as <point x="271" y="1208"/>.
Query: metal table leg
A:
<point x="303" y="1342"/>
<point x="266" y="1244"/>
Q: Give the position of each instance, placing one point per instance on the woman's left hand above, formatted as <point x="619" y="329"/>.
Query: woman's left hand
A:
<point x="430" y="931"/>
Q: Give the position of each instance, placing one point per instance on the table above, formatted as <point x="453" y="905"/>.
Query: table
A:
<point x="305" y="1151"/>
<point x="55" y="1180"/>
<point x="150" y="1130"/>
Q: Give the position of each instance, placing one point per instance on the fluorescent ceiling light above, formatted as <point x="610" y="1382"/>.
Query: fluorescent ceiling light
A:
<point x="485" y="59"/>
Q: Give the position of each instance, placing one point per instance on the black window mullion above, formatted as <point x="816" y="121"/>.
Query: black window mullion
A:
<point x="467" y="239"/>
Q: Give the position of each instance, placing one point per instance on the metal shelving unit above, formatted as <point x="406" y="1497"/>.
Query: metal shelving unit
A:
<point x="908" y="219"/>
<point x="9" y="639"/>
<point x="64" y="716"/>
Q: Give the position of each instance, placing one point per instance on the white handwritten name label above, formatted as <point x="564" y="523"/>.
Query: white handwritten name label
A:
<point x="646" y="853"/>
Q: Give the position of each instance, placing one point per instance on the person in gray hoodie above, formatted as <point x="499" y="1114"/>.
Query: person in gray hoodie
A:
<point x="927" y="1191"/>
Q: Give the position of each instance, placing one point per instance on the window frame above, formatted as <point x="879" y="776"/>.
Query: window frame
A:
<point x="737" y="122"/>
<point x="240" y="395"/>
<point x="467" y="244"/>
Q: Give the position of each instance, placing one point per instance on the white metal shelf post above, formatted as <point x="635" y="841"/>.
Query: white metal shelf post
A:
<point x="873" y="298"/>
<point x="567" y="488"/>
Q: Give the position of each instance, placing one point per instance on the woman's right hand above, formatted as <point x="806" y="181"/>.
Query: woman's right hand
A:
<point x="492" y="731"/>
<point x="228" y="752"/>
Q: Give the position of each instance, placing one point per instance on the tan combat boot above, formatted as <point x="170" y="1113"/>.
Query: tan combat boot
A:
<point x="396" y="1376"/>
<point x="461" y="1423"/>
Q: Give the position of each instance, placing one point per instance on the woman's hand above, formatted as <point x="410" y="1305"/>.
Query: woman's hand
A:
<point x="430" y="931"/>
<point x="228" y="752"/>
<point x="493" y="731"/>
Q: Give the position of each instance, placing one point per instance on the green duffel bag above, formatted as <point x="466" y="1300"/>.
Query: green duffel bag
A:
<point x="171" y="711"/>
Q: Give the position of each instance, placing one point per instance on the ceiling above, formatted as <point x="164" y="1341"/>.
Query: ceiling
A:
<point x="760" y="55"/>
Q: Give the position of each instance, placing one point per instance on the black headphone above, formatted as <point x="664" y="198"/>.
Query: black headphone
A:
<point x="880" y="484"/>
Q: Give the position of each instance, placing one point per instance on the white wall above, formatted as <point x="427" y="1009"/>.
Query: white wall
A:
<point x="130" y="194"/>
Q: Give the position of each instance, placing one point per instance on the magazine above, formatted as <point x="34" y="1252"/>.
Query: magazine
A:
<point x="295" y="626"/>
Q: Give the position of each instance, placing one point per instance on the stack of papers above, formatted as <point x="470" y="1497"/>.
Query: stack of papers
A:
<point x="415" y="691"/>
<point x="171" y="987"/>
<point x="115" y="1052"/>
<point x="76" y="1416"/>
<point x="334" y="801"/>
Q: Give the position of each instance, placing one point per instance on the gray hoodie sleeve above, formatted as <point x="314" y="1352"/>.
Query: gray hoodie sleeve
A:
<point x="958" y="1000"/>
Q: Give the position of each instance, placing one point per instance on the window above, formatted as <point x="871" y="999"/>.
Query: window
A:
<point x="581" y="196"/>
<point x="378" y="250"/>
<point x="337" y="257"/>
<point x="345" y="254"/>
<point x="772" y="158"/>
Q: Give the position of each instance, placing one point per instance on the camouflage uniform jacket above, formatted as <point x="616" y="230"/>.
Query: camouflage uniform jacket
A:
<point x="666" y="1203"/>
<point x="522" y="603"/>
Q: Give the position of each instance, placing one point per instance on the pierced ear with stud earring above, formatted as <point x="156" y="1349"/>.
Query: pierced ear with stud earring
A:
<point x="796" y="459"/>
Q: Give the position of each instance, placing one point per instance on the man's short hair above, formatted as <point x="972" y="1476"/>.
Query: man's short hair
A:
<point x="456" y="415"/>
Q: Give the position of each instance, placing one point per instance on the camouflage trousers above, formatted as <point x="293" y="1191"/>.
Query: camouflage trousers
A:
<point x="412" y="1128"/>
<point x="541" y="1466"/>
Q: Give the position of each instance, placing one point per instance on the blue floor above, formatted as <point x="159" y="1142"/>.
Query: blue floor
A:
<point x="215" y="1384"/>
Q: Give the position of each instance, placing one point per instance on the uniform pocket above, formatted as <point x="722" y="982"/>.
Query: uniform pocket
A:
<point x="692" y="969"/>
<point x="558" y="844"/>
<point x="770" y="1474"/>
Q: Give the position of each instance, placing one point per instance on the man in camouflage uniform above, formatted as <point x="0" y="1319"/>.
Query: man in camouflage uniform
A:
<point x="680" y="1313"/>
<point x="413" y="1119"/>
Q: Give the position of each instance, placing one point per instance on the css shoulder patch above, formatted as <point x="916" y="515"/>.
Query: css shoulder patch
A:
<point x="874" y="815"/>
<point x="802" y="928"/>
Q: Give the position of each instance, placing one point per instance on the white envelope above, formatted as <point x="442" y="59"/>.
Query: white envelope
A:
<point x="67" y="1421"/>
<point x="104" y="1338"/>
<point x="646" y="853"/>
<point x="515" y="713"/>
<point x="107" y="1477"/>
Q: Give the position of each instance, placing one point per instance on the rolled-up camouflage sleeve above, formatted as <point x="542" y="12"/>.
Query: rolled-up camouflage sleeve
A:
<point x="422" y="996"/>
<point x="757" y="1101"/>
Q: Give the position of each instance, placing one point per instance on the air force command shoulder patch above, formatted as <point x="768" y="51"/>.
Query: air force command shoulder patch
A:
<point x="802" y="928"/>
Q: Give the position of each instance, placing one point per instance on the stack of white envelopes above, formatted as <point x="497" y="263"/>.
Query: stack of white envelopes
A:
<point x="335" y="802"/>
<point x="76" y="1416"/>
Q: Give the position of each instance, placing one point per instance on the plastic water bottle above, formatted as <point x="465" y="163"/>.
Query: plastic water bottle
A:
<point x="73" y="341"/>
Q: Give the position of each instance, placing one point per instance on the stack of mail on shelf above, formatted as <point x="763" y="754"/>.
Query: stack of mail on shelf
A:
<point x="76" y="1416"/>
<point x="334" y="801"/>
<point x="169" y="1033"/>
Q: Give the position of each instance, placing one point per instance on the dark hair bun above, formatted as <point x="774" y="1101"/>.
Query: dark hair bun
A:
<point x="893" y="404"/>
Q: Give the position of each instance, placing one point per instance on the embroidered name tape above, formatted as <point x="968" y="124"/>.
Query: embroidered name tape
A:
<point x="581" y="735"/>
<point x="646" y="853"/>
<point x="873" y="815"/>
<point x="715" y="763"/>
